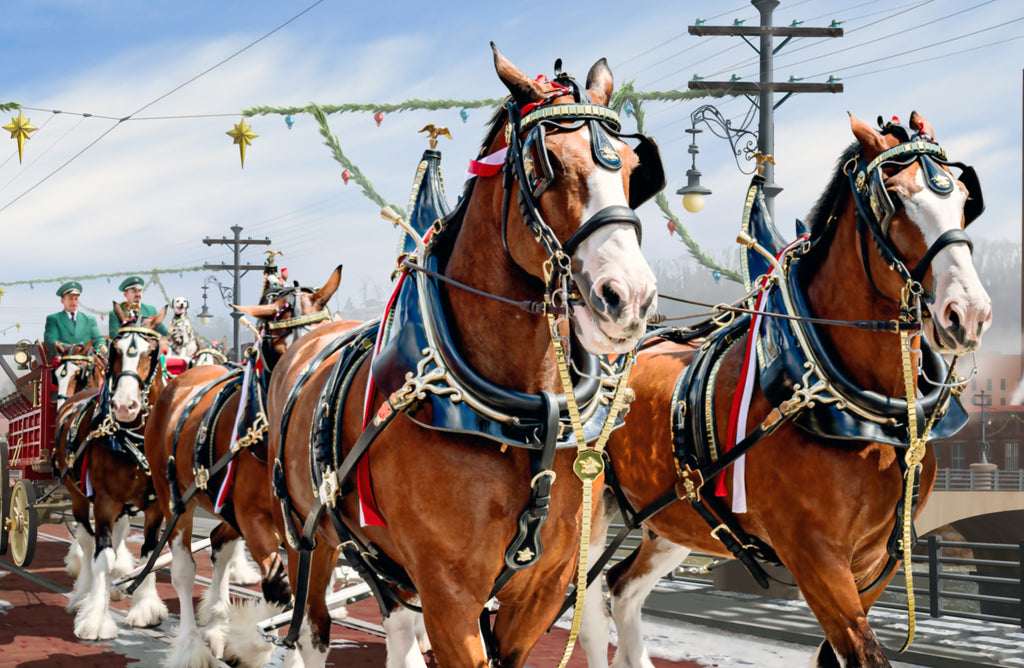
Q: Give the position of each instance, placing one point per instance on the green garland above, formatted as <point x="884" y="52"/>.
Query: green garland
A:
<point x="88" y="277"/>
<point x="9" y="106"/>
<point x="408" y="105"/>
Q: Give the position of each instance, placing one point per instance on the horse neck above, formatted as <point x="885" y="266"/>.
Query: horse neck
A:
<point x="839" y="289"/>
<point x="502" y="343"/>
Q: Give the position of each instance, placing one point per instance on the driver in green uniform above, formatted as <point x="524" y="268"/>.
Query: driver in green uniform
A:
<point x="132" y="289"/>
<point x="69" y="327"/>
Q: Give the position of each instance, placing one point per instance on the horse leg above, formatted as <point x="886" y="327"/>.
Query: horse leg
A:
<point x="831" y="593"/>
<point x="240" y="571"/>
<point x="77" y="552"/>
<point x="594" y="622"/>
<point x="214" y="606"/>
<point x="188" y="650"/>
<point x="315" y="636"/>
<point x="629" y="583"/>
<point x="93" y="620"/>
<point x="124" y="562"/>
<point x="147" y="608"/>
<point x="83" y="583"/>
<point x="452" y="620"/>
<point x="403" y="644"/>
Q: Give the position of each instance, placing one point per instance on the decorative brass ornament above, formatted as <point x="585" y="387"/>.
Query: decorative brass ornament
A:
<point x="524" y="555"/>
<point x="859" y="181"/>
<point x="941" y="181"/>
<point x="435" y="131"/>
<point x="202" y="477"/>
<point x="589" y="465"/>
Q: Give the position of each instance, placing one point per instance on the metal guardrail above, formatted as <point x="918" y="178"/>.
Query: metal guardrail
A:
<point x="964" y="480"/>
<point x="985" y="589"/>
<point x="945" y="585"/>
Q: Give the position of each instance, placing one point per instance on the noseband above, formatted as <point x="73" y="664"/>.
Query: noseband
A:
<point x="875" y="208"/>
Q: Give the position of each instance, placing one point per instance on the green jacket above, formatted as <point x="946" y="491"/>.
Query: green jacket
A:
<point x="59" y="329"/>
<point x="145" y="310"/>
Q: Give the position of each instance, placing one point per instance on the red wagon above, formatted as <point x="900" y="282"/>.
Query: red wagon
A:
<point x="25" y="456"/>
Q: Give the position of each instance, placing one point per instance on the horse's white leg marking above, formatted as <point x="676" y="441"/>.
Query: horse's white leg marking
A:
<point x="661" y="559"/>
<point x="93" y="621"/>
<point x="83" y="584"/>
<point x="73" y="559"/>
<point x="124" y="562"/>
<point x="147" y="608"/>
<point x="816" y="657"/>
<point x="240" y="571"/>
<point x="306" y="655"/>
<point x="244" y="642"/>
<point x="188" y="649"/>
<point x="403" y="648"/>
<point x="213" y="607"/>
<point x="594" y="625"/>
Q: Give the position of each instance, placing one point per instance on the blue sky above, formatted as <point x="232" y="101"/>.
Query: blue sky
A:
<point x="148" y="191"/>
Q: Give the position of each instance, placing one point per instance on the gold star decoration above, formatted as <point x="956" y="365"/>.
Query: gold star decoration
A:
<point x="243" y="136"/>
<point x="2" y="292"/>
<point x="20" y="129"/>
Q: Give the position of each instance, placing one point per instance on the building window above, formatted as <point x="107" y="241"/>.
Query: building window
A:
<point x="1002" y="383"/>
<point x="957" y="453"/>
<point x="1012" y="460"/>
<point x="988" y="384"/>
<point x="1002" y="401"/>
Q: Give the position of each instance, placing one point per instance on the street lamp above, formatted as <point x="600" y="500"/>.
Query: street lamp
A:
<point x="983" y="400"/>
<point x="693" y="192"/>
<point x="204" y="313"/>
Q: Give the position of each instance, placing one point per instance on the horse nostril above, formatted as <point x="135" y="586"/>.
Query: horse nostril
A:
<point x="611" y="298"/>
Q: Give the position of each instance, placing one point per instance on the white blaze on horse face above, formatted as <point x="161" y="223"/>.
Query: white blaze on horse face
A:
<point x="66" y="372"/>
<point x="127" y="399"/>
<point x="960" y="307"/>
<point x="617" y="285"/>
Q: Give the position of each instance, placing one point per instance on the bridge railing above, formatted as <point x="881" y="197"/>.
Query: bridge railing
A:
<point x="976" y="588"/>
<point x="946" y="584"/>
<point x="971" y="480"/>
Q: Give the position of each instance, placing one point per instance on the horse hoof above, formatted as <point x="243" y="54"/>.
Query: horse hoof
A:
<point x="87" y="629"/>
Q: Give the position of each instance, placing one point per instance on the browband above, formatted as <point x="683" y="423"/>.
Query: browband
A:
<point x="145" y="331"/>
<point x="76" y="358"/>
<point x="575" y="110"/>
<point x="299" y="321"/>
<point x="916" y="147"/>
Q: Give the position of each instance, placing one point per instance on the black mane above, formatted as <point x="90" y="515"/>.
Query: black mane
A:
<point x="834" y="196"/>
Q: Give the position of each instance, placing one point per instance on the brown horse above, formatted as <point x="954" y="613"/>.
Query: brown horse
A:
<point x="453" y="501"/>
<point x="821" y="490"/>
<point x="182" y="412"/>
<point x="99" y="438"/>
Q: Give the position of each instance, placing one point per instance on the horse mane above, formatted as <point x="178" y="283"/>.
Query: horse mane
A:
<point x="834" y="197"/>
<point x="497" y="118"/>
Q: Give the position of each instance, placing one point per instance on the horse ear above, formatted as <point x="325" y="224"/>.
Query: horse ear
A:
<point x="323" y="295"/>
<point x="524" y="89"/>
<point x="600" y="82"/>
<point x="921" y="124"/>
<point x="261" y="311"/>
<point x="871" y="140"/>
<point x="159" y="317"/>
<point x="119" y="313"/>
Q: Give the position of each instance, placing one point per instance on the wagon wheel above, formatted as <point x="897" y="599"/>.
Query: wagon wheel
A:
<point x="23" y="523"/>
<point x="5" y="495"/>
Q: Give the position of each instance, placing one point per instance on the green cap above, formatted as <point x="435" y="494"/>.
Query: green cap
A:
<point x="71" y="286"/>
<point x="131" y="282"/>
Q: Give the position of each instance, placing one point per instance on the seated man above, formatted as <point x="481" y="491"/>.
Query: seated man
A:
<point x="69" y="327"/>
<point x="132" y="289"/>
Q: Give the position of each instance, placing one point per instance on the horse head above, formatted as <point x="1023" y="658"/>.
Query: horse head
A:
<point x="134" y="363"/>
<point x="918" y="206"/>
<point x="288" y="313"/>
<point x="578" y="182"/>
<point x="74" y="371"/>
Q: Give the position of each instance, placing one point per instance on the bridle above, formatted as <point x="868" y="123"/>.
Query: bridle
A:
<point x="84" y="366"/>
<point x="152" y="337"/>
<point x="295" y="326"/>
<point x="526" y="162"/>
<point x="875" y="207"/>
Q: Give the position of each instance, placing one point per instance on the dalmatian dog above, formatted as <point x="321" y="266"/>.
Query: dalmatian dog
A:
<point x="182" y="341"/>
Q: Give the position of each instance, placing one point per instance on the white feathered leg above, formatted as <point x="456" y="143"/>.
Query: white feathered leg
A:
<point x="188" y="650"/>
<point x="214" y="613"/>
<point x="93" y="621"/>
<point x="627" y="597"/>
<point x="83" y="583"/>
<point x="244" y="642"/>
<point x="240" y="571"/>
<point x="306" y="655"/>
<point x="73" y="559"/>
<point x="124" y="562"/>
<point x="402" y="643"/>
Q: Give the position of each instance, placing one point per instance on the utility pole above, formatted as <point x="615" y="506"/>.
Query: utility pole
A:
<point x="239" y="270"/>
<point x="765" y="88"/>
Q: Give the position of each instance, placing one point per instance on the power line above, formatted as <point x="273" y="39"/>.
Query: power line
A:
<point x="938" y="57"/>
<point x="149" y="104"/>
